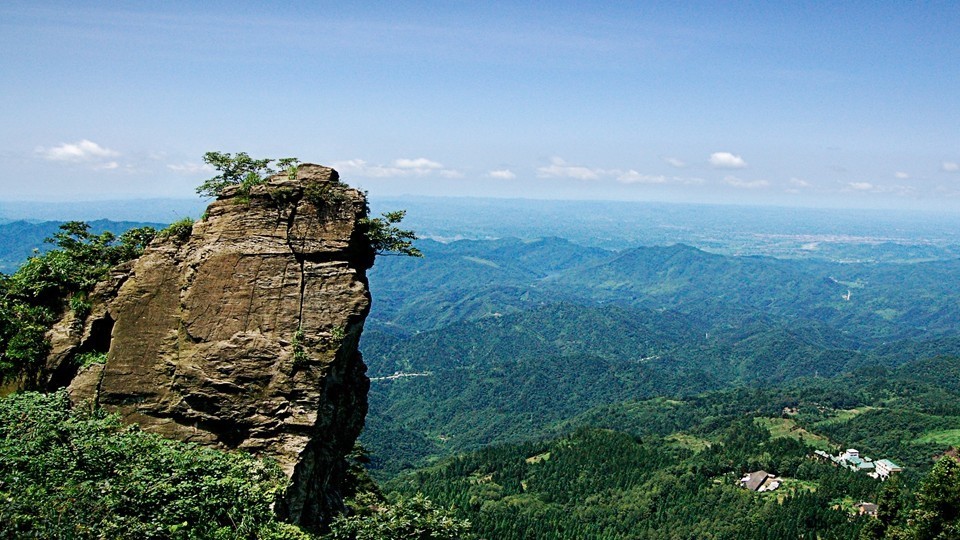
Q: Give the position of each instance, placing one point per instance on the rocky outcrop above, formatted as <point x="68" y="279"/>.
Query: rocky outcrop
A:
<point x="244" y="334"/>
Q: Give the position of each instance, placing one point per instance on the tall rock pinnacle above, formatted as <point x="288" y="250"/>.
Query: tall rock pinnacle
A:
<point x="244" y="335"/>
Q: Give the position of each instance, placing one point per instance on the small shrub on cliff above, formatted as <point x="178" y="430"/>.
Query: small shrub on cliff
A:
<point x="77" y="473"/>
<point x="324" y="196"/>
<point x="179" y="230"/>
<point x="386" y="237"/>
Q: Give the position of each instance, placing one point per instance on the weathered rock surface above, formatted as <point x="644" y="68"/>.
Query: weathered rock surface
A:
<point x="244" y="335"/>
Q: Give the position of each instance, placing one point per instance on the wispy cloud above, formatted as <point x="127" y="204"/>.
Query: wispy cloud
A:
<point x="950" y="166"/>
<point x="869" y="187"/>
<point x="633" y="177"/>
<point x="745" y="184"/>
<point x="559" y="168"/>
<point x="402" y="167"/>
<point x="675" y="162"/>
<point x="418" y="164"/>
<point x="83" y="151"/>
<point x="502" y="174"/>
<point x="190" y="168"/>
<point x="799" y="182"/>
<point x="726" y="160"/>
<point x="901" y="175"/>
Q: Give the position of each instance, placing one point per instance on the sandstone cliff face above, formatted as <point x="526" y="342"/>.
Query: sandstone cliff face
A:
<point x="244" y="335"/>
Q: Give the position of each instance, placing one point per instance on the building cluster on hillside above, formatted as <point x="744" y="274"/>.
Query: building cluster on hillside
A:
<point x="851" y="459"/>
<point x="760" y="481"/>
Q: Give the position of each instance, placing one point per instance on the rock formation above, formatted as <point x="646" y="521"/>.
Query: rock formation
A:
<point x="244" y="334"/>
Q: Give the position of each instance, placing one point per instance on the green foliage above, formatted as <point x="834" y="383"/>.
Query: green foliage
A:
<point x="179" y="230"/>
<point x="386" y="237"/>
<point x="76" y="473"/>
<point x="937" y="515"/>
<point x="239" y="170"/>
<point x="300" y="357"/>
<point x="19" y="240"/>
<point x="80" y="260"/>
<point x="91" y="358"/>
<point x="404" y="518"/>
<point x="80" y="305"/>
<point x="324" y="195"/>
<point x="32" y="298"/>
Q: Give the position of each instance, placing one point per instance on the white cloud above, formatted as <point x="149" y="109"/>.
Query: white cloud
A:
<point x="675" y="162"/>
<point x="190" y="168"/>
<point x="799" y="182"/>
<point x="82" y="151"/>
<point x="398" y="168"/>
<point x="502" y="174"/>
<point x="633" y="177"/>
<point x="726" y="160"/>
<point x="360" y="167"/>
<point x="900" y="190"/>
<point x="110" y="165"/>
<point x="416" y="164"/>
<point x="901" y="175"/>
<point x="950" y="166"/>
<point x="559" y="168"/>
<point x="745" y="184"/>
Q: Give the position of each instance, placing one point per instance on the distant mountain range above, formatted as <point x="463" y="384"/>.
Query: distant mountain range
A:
<point x="840" y="235"/>
<point x="484" y="342"/>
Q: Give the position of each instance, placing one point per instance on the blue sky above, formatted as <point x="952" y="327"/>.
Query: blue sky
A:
<point x="826" y="104"/>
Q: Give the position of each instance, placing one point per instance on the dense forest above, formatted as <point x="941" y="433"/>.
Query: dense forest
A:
<point x="664" y="468"/>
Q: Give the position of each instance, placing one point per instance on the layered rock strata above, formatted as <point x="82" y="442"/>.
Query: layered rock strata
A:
<point x="244" y="334"/>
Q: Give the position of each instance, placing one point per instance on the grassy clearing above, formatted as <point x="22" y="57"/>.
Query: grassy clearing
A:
<point x="538" y="458"/>
<point x="845" y="504"/>
<point x="688" y="441"/>
<point x="484" y="262"/>
<point x="787" y="427"/>
<point x="792" y="486"/>
<point x="943" y="436"/>
<point x="842" y="415"/>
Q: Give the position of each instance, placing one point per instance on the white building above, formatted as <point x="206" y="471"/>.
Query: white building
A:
<point x="885" y="467"/>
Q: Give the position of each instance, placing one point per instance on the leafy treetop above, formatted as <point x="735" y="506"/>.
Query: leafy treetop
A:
<point x="239" y="170"/>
